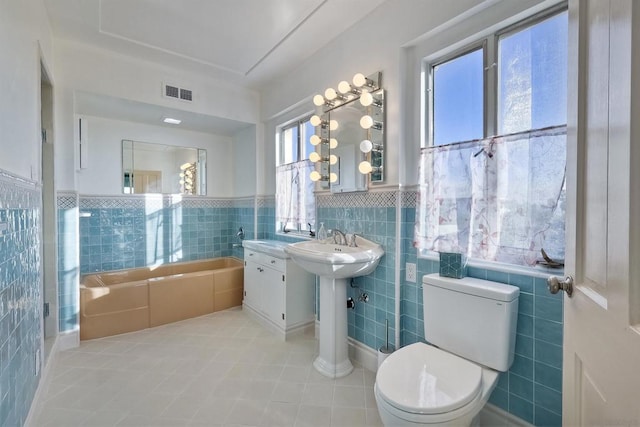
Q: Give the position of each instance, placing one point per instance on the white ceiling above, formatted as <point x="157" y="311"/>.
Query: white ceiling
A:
<point x="245" y="42"/>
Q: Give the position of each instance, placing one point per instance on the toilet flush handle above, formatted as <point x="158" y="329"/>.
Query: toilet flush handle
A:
<point x="554" y="284"/>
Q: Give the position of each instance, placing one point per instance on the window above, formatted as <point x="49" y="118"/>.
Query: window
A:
<point x="295" y="202"/>
<point x="492" y="169"/>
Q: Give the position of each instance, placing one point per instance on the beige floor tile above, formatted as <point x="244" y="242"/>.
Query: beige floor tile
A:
<point x="313" y="416"/>
<point x="348" y="396"/>
<point x="279" y="414"/>
<point x="348" y="417"/>
<point x="247" y="412"/>
<point x="318" y="395"/>
<point x="288" y="392"/>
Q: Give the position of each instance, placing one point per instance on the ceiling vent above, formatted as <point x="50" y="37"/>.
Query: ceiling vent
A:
<point x="173" y="91"/>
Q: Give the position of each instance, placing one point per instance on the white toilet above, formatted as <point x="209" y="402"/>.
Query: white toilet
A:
<point x="471" y="325"/>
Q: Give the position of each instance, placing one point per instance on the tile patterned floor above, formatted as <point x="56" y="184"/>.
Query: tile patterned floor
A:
<point x="223" y="369"/>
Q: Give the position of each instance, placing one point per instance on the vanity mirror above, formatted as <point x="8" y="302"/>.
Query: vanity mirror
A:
<point x="349" y="136"/>
<point x="158" y="168"/>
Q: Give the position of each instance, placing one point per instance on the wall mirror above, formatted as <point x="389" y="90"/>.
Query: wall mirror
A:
<point x="349" y="136"/>
<point x="157" y="168"/>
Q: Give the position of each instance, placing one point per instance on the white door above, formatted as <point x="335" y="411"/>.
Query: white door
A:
<point x="601" y="371"/>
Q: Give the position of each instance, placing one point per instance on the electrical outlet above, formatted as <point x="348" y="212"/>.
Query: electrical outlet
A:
<point x="411" y="272"/>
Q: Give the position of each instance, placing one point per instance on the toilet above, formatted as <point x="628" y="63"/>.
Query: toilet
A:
<point x="471" y="327"/>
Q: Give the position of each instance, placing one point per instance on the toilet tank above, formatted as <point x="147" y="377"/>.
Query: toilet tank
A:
<point x="473" y="318"/>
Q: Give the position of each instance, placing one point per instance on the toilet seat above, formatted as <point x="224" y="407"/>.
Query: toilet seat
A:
<point x="423" y="380"/>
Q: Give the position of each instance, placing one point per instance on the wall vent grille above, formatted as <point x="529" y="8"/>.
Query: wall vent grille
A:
<point x="176" y="92"/>
<point x="186" y="95"/>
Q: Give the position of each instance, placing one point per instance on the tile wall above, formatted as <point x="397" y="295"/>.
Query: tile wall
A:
<point x="372" y="215"/>
<point x="20" y="295"/>
<point x="127" y="232"/>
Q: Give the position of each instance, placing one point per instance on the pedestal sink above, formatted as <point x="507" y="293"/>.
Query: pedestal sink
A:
<point x="336" y="265"/>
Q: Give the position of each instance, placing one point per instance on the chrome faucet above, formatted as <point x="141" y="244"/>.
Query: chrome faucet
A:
<point x="352" y="240"/>
<point x="343" y="238"/>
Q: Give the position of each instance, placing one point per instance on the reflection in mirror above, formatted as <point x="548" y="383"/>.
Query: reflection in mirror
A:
<point x="158" y="168"/>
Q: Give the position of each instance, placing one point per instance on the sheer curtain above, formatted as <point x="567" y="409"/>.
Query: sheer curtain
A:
<point x="498" y="199"/>
<point x="295" y="202"/>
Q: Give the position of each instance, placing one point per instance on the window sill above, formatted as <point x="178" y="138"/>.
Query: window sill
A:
<point x="295" y="235"/>
<point x="541" y="272"/>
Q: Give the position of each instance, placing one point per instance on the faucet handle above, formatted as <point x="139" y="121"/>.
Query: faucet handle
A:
<point x="352" y="240"/>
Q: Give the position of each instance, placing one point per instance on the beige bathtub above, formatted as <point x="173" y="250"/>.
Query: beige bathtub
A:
<point x="129" y="300"/>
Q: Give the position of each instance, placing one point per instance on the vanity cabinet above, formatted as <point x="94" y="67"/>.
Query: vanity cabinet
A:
<point x="278" y="292"/>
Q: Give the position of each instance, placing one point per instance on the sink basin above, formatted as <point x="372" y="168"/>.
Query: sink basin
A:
<point x="327" y="259"/>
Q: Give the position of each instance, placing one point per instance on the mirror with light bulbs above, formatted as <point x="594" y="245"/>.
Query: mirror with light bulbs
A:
<point x="158" y="168"/>
<point x="349" y="136"/>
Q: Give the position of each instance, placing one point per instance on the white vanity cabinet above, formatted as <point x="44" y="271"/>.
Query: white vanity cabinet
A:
<point x="277" y="291"/>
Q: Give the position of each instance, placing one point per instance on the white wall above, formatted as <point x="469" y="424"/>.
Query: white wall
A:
<point x="384" y="41"/>
<point x="24" y="33"/>
<point x="88" y="69"/>
<point x="244" y="162"/>
<point x="103" y="174"/>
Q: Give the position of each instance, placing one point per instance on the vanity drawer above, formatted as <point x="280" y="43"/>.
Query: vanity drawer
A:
<point x="265" y="259"/>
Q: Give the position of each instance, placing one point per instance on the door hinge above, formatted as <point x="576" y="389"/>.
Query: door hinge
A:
<point x="245" y="293"/>
<point x="45" y="310"/>
<point x="282" y="316"/>
<point x="283" y="277"/>
<point x="245" y="263"/>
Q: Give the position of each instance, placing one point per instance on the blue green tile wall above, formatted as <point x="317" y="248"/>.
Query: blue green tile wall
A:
<point x="372" y="215"/>
<point x="20" y="296"/>
<point x="132" y="232"/>
<point x="68" y="261"/>
<point x="532" y="389"/>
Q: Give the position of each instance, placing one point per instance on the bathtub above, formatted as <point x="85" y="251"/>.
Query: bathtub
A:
<point x="122" y="301"/>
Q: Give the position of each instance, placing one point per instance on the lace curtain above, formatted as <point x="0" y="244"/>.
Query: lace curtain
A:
<point x="499" y="199"/>
<point x="295" y="202"/>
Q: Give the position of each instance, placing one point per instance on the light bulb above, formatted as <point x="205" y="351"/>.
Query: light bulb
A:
<point x="315" y="176"/>
<point x="366" y="122"/>
<point x="185" y="165"/>
<point x="318" y="100"/>
<point x="181" y="175"/>
<point x="359" y="80"/>
<point x="182" y="182"/>
<point x="333" y="159"/>
<point x="366" y="99"/>
<point x="344" y="87"/>
<point x="333" y="143"/>
<point x="366" y="146"/>
<point x="315" y="140"/>
<point x="314" y="157"/>
<point x="365" y="167"/>
<point x="330" y="94"/>
<point x="333" y="177"/>
<point x="333" y="125"/>
<point x="315" y="120"/>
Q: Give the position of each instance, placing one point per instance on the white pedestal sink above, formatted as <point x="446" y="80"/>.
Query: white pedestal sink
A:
<point x="336" y="265"/>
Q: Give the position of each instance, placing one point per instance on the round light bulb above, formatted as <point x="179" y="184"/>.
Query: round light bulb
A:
<point x="366" y="122"/>
<point x="333" y="159"/>
<point x="315" y="120"/>
<point x="182" y="182"/>
<point x="318" y="100"/>
<point x="344" y="87"/>
<point x="314" y="157"/>
<point x="359" y="80"/>
<point x="333" y="125"/>
<point x="366" y="146"/>
<point x="315" y="140"/>
<point x="181" y="175"/>
<point x="333" y="177"/>
<point x="185" y="165"/>
<point x="315" y="176"/>
<point x="366" y="99"/>
<point x="330" y="94"/>
<point x="333" y="143"/>
<point x="365" y="167"/>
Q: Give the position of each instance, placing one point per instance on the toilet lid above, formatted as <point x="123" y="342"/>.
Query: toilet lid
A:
<point x="422" y="379"/>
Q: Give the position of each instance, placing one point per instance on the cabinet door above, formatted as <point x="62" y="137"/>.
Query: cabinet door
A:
<point x="273" y="295"/>
<point x="252" y="280"/>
